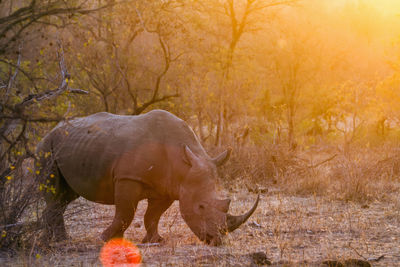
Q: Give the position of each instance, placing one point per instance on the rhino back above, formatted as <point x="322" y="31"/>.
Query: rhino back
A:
<point x="87" y="148"/>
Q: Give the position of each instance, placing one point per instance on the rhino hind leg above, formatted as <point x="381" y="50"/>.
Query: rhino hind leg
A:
<point x="56" y="202"/>
<point x="54" y="221"/>
<point x="127" y="194"/>
<point x="155" y="208"/>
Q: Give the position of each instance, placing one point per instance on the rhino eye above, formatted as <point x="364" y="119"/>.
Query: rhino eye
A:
<point x="200" y="208"/>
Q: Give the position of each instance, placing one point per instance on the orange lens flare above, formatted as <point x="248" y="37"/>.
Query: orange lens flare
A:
<point x="120" y="252"/>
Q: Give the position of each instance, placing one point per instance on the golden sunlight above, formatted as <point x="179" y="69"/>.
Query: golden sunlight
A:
<point x="388" y="7"/>
<point x="385" y="7"/>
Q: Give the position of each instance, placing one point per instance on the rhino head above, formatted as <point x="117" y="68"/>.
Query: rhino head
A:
<point x="206" y="214"/>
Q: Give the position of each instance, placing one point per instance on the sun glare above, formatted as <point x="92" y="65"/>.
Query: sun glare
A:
<point x="120" y="252"/>
<point x="388" y="7"/>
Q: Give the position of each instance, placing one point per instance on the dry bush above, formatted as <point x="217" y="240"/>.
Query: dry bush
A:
<point x="255" y="165"/>
<point x="21" y="206"/>
<point x="19" y="197"/>
<point x="366" y="176"/>
<point x="269" y="165"/>
<point x="351" y="182"/>
<point x="363" y="176"/>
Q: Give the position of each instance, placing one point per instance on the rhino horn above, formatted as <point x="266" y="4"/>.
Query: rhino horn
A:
<point x="222" y="158"/>
<point x="233" y="222"/>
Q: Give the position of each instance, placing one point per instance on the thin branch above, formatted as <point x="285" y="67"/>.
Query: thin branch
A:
<point x="21" y="70"/>
<point x="167" y="61"/>
<point x="151" y="102"/>
<point x="63" y="87"/>
<point x="322" y="162"/>
<point x="273" y="4"/>
<point x="26" y="16"/>
<point x="356" y="251"/>
<point x="28" y="118"/>
<point x="78" y="91"/>
<point x="12" y="78"/>
<point x="14" y="142"/>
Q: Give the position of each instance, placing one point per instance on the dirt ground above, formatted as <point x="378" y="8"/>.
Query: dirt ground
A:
<point x="291" y="231"/>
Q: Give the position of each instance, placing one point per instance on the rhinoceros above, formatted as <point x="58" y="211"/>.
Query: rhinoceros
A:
<point x="120" y="160"/>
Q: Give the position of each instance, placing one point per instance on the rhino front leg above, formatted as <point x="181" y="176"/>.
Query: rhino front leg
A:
<point x="126" y="197"/>
<point x="155" y="208"/>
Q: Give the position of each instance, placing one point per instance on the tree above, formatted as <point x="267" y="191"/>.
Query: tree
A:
<point x="19" y="18"/>
<point x="236" y="18"/>
<point x="351" y="112"/>
<point x="296" y="59"/>
<point x="32" y="83"/>
<point x="140" y="45"/>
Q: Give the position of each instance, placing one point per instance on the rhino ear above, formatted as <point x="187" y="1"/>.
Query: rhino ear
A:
<point x="222" y="158"/>
<point x="223" y="205"/>
<point x="188" y="156"/>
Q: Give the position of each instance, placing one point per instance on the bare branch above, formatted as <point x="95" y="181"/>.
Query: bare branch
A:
<point x="16" y="140"/>
<point x="63" y="87"/>
<point x="78" y="91"/>
<point x="12" y="78"/>
<point x="153" y="101"/>
<point x="263" y="5"/>
<point x="24" y="17"/>
<point x="322" y="162"/>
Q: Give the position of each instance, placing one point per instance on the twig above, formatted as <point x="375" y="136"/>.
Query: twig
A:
<point x="141" y="19"/>
<point x="11" y="225"/>
<point x="355" y="250"/>
<point x="65" y="76"/>
<point x="78" y="91"/>
<point x="376" y="259"/>
<point x="12" y="78"/>
<point x="322" y="162"/>
<point x="146" y="245"/>
<point x="30" y="253"/>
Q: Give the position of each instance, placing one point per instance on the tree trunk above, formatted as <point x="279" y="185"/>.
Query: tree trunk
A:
<point x="291" y="139"/>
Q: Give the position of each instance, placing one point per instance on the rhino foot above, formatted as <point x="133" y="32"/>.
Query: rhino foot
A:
<point x="153" y="239"/>
<point x="108" y="234"/>
<point x="61" y="237"/>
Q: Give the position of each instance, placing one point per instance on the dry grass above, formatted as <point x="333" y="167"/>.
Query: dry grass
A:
<point x="290" y="230"/>
<point x="315" y="209"/>
<point x="364" y="176"/>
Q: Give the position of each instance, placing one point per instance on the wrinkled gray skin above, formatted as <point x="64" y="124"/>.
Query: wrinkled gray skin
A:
<point x="120" y="160"/>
